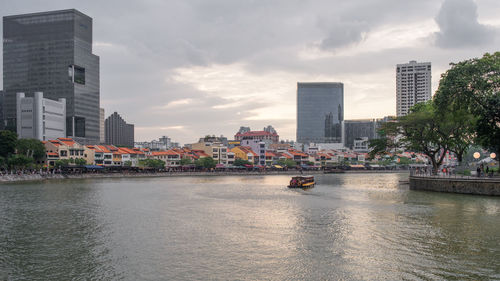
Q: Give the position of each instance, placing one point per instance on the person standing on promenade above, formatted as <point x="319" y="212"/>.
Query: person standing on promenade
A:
<point x="478" y="170"/>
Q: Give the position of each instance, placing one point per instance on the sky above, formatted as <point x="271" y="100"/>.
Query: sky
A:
<point x="190" y="68"/>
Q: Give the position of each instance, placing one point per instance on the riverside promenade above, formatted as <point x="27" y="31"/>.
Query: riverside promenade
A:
<point x="456" y="184"/>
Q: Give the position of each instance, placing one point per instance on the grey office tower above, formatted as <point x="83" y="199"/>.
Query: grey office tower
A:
<point x="320" y="112"/>
<point x="51" y="52"/>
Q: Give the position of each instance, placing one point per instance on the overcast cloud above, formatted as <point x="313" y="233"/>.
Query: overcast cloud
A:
<point x="190" y="68"/>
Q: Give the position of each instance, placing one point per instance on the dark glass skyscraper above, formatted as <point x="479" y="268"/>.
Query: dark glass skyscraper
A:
<point x="320" y="112"/>
<point x="51" y="52"/>
<point x="118" y="132"/>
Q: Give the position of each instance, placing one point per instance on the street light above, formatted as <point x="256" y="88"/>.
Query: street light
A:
<point x="477" y="155"/>
<point x="493" y="155"/>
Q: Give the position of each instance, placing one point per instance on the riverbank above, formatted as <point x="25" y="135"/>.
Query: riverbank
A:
<point x="38" y="177"/>
<point x="466" y="185"/>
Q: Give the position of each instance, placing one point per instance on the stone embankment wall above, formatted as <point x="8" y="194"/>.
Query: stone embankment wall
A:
<point x="37" y="177"/>
<point x="479" y="186"/>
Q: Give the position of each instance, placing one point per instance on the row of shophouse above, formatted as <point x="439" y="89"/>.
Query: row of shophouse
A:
<point x="109" y="155"/>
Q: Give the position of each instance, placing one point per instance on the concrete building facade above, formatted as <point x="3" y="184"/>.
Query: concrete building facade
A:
<point x="413" y="85"/>
<point x="257" y="146"/>
<point x="118" y="132"/>
<point x="40" y="118"/>
<point x="320" y="112"/>
<point x="51" y="52"/>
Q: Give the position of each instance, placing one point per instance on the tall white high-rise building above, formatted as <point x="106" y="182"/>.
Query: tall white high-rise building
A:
<point x="413" y="85"/>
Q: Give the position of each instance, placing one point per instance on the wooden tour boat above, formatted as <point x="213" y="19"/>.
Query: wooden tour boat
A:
<point x="302" y="182"/>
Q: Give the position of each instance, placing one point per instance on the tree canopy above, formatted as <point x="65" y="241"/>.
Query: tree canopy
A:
<point x="8" y="142"/>
<point x="464" y="111"/>
<point x="205" y="162"/>
<point x="31" y="148"/>
<point x="470" y="90"/>
<point x="152" y="163"/>
<point x="241" y="162"/>
<point x="287" y="162"/>
<point x="186" y="161"/>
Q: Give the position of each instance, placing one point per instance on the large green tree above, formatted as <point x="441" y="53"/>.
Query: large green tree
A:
<point x="152" y="163"/>
<point x="62" y="163"/>
<point x="31" y="148"/>
<point x="287" y="162"/>
<point x="186" y="161"/>
<point x="17" y="161"/>
<point x="473" y="87"/>
<point x="206" y="162"/>
<point x="8" y="142"/>
<point x="241" y="162"/>
<point x="423" y="131"/>
<point x="387" y="141"/>
<point x="80" y="161"/>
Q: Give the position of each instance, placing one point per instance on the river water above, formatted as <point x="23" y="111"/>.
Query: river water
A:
<point x="349" y="227"/>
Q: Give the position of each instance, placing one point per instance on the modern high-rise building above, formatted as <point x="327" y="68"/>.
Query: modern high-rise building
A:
<point x="413" y="85"/>
<point x="102" y="117"/>
<point x="2" y="125"/>
<point x="361" y="128"/>
<point x="320" y="112"/>
<point x="51" y="52"/>
<point x="40" y="118"/>
<point x="118" y="132"/>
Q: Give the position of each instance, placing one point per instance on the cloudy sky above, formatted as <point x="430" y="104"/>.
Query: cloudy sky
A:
<point x="189" y="68"/>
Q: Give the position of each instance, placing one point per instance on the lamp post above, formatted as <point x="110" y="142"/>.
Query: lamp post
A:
<point x="493" y="155"/>
<point x="476" y="155"/>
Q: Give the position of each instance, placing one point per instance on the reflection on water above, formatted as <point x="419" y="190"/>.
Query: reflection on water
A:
<point x="350" y="226"/>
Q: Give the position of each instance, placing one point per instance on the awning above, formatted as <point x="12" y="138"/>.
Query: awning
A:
<point x="219" y="166"/>
<point x="248" y="166"/>
<point x="278" y="166"/>
<point x="93" y="167"/>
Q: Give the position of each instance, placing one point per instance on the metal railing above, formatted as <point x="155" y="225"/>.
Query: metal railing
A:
<point x="453" y="175"/>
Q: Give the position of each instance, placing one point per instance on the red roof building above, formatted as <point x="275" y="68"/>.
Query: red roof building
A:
<point x="257" y="135"/>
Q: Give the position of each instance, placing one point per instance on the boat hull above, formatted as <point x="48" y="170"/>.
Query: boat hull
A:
<point x="306" y="185"/>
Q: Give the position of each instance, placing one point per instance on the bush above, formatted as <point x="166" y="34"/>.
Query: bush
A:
<point x="18" y="161"/>
<point x="241" y="162"/>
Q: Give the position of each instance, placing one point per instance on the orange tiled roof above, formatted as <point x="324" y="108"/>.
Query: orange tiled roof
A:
<point x="126" y="150"/>
<point x="103" y="148"/>
<point x="199" y="153"/>
<point x="55" y="142"/>
<point x="297" y="153"/>
<point x="284" y="155"/>
<point x="67" y="141"/>
<point x="270" y="154"/>
<point x="246" y="149"/>
<point x="323" y="155"/>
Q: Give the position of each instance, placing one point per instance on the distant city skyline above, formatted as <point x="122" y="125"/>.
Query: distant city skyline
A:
<point x="186" y="69"/>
